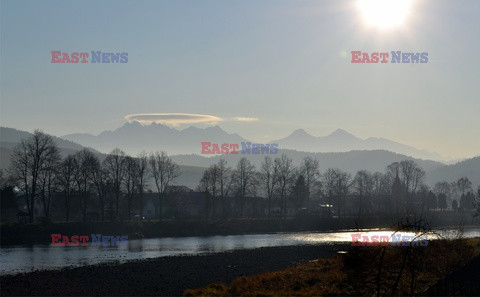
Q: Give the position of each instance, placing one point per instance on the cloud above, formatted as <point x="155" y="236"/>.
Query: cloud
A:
<point x="245" y="119"/>
<point x="173" y="119"/>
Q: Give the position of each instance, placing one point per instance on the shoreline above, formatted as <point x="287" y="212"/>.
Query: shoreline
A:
<point x="19" y="234"/>
<point x="165" y="276"/>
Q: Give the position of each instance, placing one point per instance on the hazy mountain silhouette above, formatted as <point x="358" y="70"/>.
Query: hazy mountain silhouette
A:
<point x="374" y="160"/>
<point x="342" y="141"/>
<point x="135" y="138"/>
<point x="353" y="161"/>
<point x="10" y="137"/>
<point x="469" y="168"/>
<point x="193" y="165"/>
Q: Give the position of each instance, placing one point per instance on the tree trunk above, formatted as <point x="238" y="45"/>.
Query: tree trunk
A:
<point x="67" y="207"/>
<point x="140" y="201"/>
<point x="129" y="207"/>
<point x="102" y="209"/>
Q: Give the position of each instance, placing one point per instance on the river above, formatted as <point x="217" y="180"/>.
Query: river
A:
<point x="19" y="259"/>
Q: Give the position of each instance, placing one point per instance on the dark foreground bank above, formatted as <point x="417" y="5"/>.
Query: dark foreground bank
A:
<point x="168" y="276"/>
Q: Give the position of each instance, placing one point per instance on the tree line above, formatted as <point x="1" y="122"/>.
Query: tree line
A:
<point x="399" y="190"/>
<point x="39" y="172"/>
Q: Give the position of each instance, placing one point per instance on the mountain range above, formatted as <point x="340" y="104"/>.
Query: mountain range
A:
<point x="193" y="165"/>
<point x="342" y="141"/>
<point x="9" y="138"/>
<point x="134" y="137"/>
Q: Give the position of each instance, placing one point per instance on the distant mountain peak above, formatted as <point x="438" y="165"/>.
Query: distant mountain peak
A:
<point x="215" y="128"/>
<point x="300" y="132"/>
<point x="341" y="132"/>
<point x="190" y="128"/>
<point x="210" y="129"/>
<point x="133" y="123"/>
<point x="134" y="138"/>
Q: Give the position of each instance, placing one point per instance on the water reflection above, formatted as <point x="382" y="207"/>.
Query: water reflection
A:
<point x="39" y="257"/>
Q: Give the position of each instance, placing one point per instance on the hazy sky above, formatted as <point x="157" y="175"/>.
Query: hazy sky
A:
<point x="285" y="63"/>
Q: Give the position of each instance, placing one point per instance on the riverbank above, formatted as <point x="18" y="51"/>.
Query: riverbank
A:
<point x="443" y="268"/>
<point x="307" y="270"/>
<point x="167" y="276"/>
<point x="28" y="234"/>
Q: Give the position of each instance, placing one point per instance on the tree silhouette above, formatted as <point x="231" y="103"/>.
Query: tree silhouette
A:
<point x="163" y="171"/>
<point x="29" y="159"/>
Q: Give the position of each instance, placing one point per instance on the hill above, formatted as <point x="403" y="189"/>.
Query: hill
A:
<point x="343" y="141"/>
<point x="469" y="168"/>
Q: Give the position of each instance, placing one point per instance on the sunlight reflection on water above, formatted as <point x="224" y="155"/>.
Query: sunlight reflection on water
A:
<point x="37" y="257"/>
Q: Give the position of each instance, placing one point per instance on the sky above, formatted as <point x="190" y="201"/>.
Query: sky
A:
<point x="261" y="69"/>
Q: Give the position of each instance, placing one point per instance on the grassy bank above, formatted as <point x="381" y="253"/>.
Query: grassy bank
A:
<point x="363" y="271"/>
<point x="274" y="271"/>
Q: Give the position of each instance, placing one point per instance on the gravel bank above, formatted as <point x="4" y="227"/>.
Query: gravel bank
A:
<point x="167" y="276"/>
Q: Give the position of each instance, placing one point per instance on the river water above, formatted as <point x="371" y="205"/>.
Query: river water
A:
<point x="18" y="259"/>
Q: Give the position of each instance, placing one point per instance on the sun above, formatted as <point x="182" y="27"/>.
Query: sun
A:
<point x="384" y="14"/>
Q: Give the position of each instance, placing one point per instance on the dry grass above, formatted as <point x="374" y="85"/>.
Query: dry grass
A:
<point x="356" y="273"/>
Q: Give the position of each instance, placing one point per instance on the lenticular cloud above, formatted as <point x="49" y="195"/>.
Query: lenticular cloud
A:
<point x="173" y="119"/>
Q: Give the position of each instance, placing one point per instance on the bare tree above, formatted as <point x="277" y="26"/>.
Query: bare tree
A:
<point x="28" y="159"/>
<point x="477" y="205"/>
<point x="114" y="165"/>
<point x="67" y="182"/>
<point x="208" y="180"/>
<point x="49" y="181"/>
<point x="329" y="184"/>
<point x="102" y="185"/>
<point x="445" y="192"/>
<point x="4" y="179"/>
<point x="84" y="163"/>
<point x="224" y="183"/>
<point x="269" y="179"/>
<point x="217" y="181"/>
<point x="244" y="181"/>
<point x="209" y="183"/>
<point x="411" y="176"/>
<point x="442" y="187"/>
<point x="336" y="183"/>
<point x="342" y="186"/>
<point x="163" y="171"/>
<point x="310" y="170"/>
<point x="464" y="185"/>
<point x="142" y="168"/>
<point x="286" y="177"/>
<point x="393" y="169"/>
<point x="363" y="183"/>
<point x="382" y="183"/>
<point x="299" y="191"/>
<point x="130" y="181"/>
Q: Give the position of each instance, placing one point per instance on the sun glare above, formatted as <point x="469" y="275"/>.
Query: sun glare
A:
<point x="384" y="14"/>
